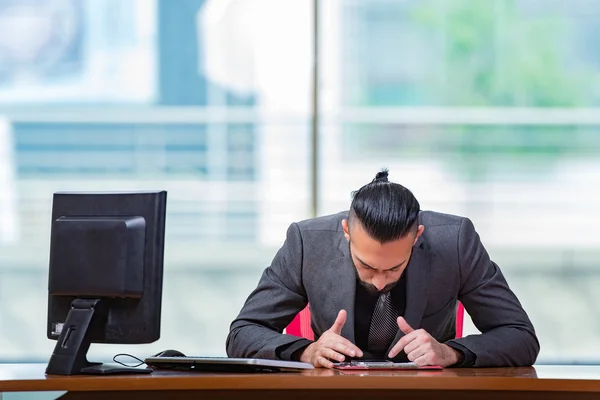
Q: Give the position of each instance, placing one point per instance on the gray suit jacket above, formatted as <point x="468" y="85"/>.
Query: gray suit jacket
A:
<point x="448" y="264"/>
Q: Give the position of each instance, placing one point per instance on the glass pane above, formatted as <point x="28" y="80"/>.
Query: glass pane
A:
<point x="196" y="97"/>
<point x="464" y="53"/>
<point x="482" y="110"/>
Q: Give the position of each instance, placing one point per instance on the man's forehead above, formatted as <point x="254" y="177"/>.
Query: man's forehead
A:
<point x="381" y="260"/>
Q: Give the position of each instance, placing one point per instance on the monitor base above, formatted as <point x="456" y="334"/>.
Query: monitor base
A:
<point x="86" y="318"/>
<point x="109" y="369"/>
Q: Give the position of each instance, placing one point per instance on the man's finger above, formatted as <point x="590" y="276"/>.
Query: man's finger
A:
<point x="346" y="348"/>
<point x="423" y="360"/>
<point x="404" y="326"/>
<point x="415" y="344"/>
<point x="332" y="355"/>
<point x="339" y="322"/>
<point x="323" y="362"/>
<point x="415" y="354"/>
<point x="404" y="341"/>
<point x="345" y="342"/>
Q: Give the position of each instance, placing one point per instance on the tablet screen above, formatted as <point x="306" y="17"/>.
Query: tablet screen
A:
<point x="355" y="364"/>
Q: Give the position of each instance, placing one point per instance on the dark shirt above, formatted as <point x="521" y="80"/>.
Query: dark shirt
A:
<point x="364" y="305"/>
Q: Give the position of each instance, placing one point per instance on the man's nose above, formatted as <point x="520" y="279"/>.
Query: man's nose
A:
<point x="379" y="282"/>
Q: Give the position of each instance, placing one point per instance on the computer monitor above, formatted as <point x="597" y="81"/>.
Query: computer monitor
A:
<point x="105" y="277"/>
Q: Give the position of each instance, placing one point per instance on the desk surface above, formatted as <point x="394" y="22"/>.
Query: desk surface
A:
<point x="31" y="377"/>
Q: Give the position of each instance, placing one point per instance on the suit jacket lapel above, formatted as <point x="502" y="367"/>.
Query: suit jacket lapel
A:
<point x="417" y="284"/>
<point x="342" y="289"/>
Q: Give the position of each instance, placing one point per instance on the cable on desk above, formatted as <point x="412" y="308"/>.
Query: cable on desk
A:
<point x="127" y="355"/>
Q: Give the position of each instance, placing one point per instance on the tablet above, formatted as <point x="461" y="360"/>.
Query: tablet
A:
<point x="382" y="365"/>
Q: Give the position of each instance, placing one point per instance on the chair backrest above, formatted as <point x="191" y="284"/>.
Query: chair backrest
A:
<point x="300" y="325"/>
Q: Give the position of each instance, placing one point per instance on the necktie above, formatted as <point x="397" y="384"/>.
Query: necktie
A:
<point x="384" y="325"/>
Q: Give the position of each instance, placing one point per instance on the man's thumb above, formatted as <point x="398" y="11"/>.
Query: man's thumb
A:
<point x="339" y="322"/>
<point x="404" y="326"/>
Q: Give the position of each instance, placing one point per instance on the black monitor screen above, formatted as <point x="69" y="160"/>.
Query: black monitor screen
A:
<point x="106" y="254"/>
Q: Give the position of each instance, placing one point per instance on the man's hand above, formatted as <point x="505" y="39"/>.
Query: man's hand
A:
<point x="330" y="346"/>
<point x="422" y="348"/>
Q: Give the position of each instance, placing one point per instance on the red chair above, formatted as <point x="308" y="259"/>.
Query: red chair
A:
<point x="300" y="325"/>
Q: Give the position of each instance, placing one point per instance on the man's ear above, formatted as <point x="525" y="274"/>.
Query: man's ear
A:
<point x="420" y="230"/>
<point x="346" y="229"/>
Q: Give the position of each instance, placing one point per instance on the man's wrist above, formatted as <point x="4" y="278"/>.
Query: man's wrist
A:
<point x="291" y="351"/>
<point x="467" y="359"/>
<point x="454" y="356"/>
<point x="304" y="354"/>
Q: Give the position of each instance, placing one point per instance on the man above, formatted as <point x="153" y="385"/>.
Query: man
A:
<point x="411" y="266"/>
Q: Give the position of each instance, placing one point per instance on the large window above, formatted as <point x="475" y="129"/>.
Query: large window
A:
<point x="206" y="99"/>
<point x="486" y="109"/>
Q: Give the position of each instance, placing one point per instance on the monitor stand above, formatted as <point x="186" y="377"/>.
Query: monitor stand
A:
<point x="69" y="357"/>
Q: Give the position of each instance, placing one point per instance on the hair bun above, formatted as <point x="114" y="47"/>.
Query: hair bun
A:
<point x="382" y="176"/>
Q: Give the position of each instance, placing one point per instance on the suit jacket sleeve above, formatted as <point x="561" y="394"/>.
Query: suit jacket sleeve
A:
<point x="279" y="296"/>
<point x="507" y="335"/>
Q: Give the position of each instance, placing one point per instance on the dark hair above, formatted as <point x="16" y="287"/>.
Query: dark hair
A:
<point x="386" y="210"/>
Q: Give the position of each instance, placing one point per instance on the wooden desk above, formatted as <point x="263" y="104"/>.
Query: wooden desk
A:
<point x="541" y="382"/>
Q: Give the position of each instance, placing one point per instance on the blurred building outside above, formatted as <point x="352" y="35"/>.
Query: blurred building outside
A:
<point x="111" y="108"/>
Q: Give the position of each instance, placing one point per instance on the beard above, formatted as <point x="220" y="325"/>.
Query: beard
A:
<point x="372" y="289"/>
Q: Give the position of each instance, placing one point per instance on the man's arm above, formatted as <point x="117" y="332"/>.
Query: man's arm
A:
<point x="279" y="296"/>
<point x="508" y="337"/>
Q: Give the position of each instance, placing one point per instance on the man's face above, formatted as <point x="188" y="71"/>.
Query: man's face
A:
<point x="379" y="266"/>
